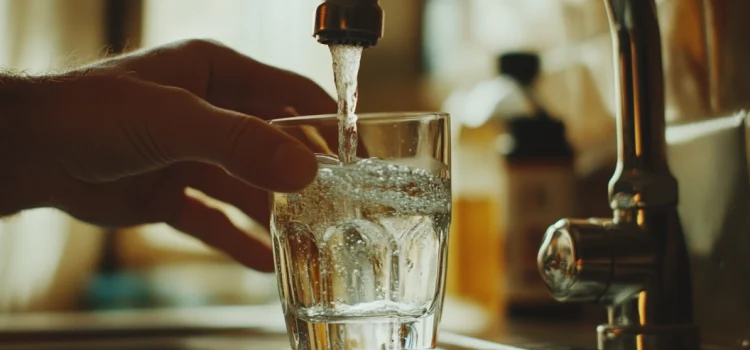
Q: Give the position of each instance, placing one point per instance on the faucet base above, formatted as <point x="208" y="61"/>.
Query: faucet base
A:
<point x="616" y="337"/>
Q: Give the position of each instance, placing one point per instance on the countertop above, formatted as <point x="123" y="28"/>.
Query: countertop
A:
<point x="245" y="327"/>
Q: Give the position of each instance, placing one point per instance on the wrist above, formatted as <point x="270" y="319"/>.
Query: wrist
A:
<point x="21" y="184"/>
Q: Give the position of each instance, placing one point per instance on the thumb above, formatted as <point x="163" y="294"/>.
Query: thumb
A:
<point x="247" y="147"/>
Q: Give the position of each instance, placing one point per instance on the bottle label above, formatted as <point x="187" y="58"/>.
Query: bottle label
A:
<point x="537" y="196"/>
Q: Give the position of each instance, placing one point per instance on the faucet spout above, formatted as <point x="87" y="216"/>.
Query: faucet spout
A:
<point x="349" y="22"/>
<point x="642" y="175"/>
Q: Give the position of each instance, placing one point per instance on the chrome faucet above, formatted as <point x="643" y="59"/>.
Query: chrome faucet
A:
<point x="352" y="22"/>
<point x="635" y="263"/>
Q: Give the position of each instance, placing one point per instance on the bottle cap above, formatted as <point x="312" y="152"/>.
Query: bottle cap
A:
<point x="522" y="66"/>
<point x="539" y="137"/>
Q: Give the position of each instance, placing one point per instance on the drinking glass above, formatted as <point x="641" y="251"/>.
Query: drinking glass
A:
<point x="361" y="253"/>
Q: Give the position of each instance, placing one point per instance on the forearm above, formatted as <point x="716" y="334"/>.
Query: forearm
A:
<point x="20" y="177"/>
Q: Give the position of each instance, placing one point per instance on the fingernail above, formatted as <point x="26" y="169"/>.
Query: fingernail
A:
<point x="295" y="165"/>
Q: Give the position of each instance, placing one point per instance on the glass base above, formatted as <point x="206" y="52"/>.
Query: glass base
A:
<point x="369" y="334"/>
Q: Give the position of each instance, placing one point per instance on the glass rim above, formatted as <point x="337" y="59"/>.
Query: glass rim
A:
<point x="375" y="117"/>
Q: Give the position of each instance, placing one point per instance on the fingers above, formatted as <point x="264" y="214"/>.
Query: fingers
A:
<point x="226" y="78"/>
<point x="186" y="128"/>
<point x="214" y="228"/>
<point x="255" y="108"/>
<point x="218" y="184"/>
<point x="321" y="137"/>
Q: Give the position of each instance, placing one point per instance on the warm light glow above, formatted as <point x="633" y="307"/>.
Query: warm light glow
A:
<point x="642" y="296"/>
<point x="642" y="308"/>
<point x="640" y="217"/>
<point x="637" y="113"/>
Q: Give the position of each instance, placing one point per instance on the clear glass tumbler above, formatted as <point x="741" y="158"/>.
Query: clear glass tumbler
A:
<point x="361" y="252"/>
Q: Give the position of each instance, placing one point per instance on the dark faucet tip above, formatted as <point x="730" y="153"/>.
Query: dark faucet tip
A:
<point x="347" y="37"/>
<point x="357" y="23"/>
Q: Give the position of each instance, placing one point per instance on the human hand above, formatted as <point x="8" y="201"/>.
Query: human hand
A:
<point x="116" y="143"/>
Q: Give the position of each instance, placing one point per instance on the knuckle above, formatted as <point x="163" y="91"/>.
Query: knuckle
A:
<point x="179" y="95"/>
<point x="202" y="45"/>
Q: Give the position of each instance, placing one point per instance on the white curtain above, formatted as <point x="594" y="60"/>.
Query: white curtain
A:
<point x="45" y="257"/>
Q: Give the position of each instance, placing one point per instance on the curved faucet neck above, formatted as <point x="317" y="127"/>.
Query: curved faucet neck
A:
<point x="639" y="86"/>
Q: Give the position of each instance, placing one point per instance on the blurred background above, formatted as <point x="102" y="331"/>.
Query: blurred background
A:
<point x="491" y="63"/>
